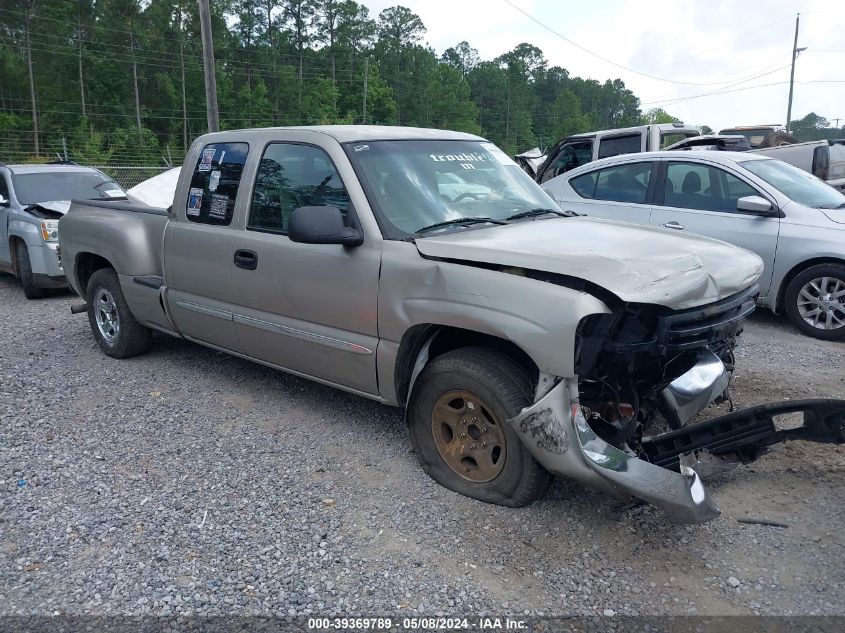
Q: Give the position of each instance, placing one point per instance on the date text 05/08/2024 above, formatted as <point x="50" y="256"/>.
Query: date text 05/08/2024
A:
<point x="418" y="624"/>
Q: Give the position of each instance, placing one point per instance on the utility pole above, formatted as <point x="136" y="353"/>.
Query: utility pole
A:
<point x="366" y="73"/>
<point x="184" y="101"/>
<point x="30" y="13"/>
<point x="135" y="79"/>
<point x="208" y="65"/>
<point x="792" y="72"/>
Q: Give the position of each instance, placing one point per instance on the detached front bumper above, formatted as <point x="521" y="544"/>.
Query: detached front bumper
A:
<point x="557" y="434"/>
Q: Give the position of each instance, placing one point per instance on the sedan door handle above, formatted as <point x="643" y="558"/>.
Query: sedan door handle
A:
<point x="673" y="225"/>
<point x="248" y="260"/>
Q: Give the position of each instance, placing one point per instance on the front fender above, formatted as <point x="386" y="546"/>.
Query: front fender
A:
<point x="27" y="230"/>
<point x="540" y="318"/>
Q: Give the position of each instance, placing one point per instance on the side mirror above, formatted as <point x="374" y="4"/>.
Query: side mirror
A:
<point x="755" y="204"/>
<point x="4" y="202"/>
<point x="322" y="225"/>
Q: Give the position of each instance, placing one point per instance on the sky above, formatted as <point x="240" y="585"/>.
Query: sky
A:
<point x="689" y="49"/>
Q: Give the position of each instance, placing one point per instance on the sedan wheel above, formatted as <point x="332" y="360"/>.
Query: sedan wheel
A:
<point x="821" y="303"/>
<point x="815" y="301"/>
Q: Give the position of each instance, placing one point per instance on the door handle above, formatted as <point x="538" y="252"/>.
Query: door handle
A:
<point x="673" y="225"/>
<point x="248" y="260"/>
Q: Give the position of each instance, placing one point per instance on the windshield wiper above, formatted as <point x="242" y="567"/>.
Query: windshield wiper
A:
<point x="536" y="212"/>
<point x="459" y="221"/>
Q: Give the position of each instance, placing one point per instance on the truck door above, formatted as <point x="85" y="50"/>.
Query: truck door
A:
<point x="306" y="308"/>
<point x="569" y="155"/>
<point x="198" y="247"/>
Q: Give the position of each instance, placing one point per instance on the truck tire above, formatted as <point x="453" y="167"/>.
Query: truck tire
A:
<point x="815" y="301"/>
<point x="24" y="268"/>
<point x="776" y="139"/>
<point x="116" y="330"/>
<point x="457" y="420"/>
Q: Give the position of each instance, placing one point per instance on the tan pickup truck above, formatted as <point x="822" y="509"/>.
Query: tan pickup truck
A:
<point x="521" y="340"/>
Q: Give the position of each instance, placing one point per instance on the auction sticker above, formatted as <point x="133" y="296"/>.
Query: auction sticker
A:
<point x="207" y="157"/>
<point x="214" y="180"/>
<point x="498" y="154"/>
<point x="194" y="201"/>
<point x="219" y="205"/>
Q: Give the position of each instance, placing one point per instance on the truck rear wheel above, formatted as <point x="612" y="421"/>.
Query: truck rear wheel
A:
<point x="457" y="420"/>
<point x="24" y="268"/>
<point x="116" y="330"/>
<point x="815" y="301"/>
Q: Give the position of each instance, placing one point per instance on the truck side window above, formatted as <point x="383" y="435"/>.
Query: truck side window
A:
<point x="620" y="145"/>
<point x="215" y="183"/>
<point x="291" y="176"/>
<point x="569" y="157"/>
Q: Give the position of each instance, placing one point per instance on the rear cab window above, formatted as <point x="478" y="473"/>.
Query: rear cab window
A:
<point x="215" y="183"/>
<point x="615" y="145"/>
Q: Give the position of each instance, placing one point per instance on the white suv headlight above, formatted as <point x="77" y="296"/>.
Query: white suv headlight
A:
<point x="50" y="230"/>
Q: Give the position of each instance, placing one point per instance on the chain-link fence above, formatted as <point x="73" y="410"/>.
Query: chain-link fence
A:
<point x="130" y="175"/>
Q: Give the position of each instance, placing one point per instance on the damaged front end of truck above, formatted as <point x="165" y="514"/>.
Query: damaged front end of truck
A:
<point x="642" y="367"/>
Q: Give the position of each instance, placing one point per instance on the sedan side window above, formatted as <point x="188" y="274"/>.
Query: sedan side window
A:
<point x="623" y="183"/>
<point x="699" y="186"/>
<point x="292" y="176"/>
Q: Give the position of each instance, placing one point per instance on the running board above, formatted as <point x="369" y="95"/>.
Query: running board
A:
<point x="747" y="433"/>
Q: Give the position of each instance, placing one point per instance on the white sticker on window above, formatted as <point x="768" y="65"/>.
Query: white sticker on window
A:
<point x="207" y="157"/>
<point x="219" y="205"/>
<point x="458" y="158"/>
<point x="498" y="154"/>
<point x="114" y="193"/>
<point x="214" y="180"/>
<point x="194" y="201"/>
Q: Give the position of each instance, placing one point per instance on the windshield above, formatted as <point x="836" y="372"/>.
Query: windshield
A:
<point x="415" y="184"/>
<point x="64" y="185"/>
<point x="796" y="184"/>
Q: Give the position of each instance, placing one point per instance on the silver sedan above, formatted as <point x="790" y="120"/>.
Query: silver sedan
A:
<point x="790" y="218"/>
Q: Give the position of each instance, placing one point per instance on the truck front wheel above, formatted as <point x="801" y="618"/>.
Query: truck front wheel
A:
<point x="116" y="330"/>
<point x="458" y="425"/>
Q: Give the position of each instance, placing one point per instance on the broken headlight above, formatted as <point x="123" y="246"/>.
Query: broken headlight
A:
<point x="50" y="230"/>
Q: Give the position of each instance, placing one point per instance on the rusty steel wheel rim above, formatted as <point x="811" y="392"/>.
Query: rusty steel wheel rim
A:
<point x="468" y="436"/>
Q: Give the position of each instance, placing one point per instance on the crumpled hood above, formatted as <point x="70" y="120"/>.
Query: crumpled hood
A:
<point x="59" y="206"/>
<point x="636" y="263"/>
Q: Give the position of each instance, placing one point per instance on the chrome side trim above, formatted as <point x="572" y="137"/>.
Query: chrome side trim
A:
<point x="303" y="335"/>
<point x="364" y="394"/>
<point x="204" y="309"/>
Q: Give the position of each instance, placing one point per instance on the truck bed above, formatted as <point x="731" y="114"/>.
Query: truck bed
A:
<point x="132" y="244"/>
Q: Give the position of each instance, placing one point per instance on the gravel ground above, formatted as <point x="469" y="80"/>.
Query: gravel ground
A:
<point x="188" y="481"/>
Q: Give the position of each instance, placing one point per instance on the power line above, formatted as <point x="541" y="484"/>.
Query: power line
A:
<point x="722" y="92"/>
<point x="610" y="61"/>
